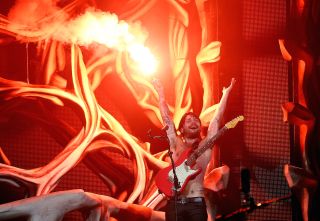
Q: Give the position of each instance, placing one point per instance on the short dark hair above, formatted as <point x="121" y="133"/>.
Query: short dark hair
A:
<point x="183" y="119"/>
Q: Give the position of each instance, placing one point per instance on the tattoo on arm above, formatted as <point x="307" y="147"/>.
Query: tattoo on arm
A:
<point x="165" y="113"/>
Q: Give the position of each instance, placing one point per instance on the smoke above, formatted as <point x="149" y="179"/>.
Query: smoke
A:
<point x="42" y="17"/>
<point x="106" y="29"/>
<point x="100" y="27"/>
<point x="43" y="20"/>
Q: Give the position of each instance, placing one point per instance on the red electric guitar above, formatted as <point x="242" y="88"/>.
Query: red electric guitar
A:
<point x="164" y="179"/>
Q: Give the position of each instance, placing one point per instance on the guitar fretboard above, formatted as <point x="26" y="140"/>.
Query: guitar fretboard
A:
<point x="197" y="153"/>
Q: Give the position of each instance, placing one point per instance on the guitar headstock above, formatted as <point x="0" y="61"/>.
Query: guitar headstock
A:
<point x="234" y="122"/>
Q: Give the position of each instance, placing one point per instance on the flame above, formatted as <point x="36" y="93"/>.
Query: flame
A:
<point x="145" y="60"/>
<point x="106" y="29"/>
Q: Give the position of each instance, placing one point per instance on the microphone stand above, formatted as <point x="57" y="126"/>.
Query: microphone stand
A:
<point x="176" y="184"/>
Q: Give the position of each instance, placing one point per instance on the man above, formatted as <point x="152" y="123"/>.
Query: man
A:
<point x="190" y="204"/>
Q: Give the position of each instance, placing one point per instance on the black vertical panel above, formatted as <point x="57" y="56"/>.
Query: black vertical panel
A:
<point x="265" y="88"/>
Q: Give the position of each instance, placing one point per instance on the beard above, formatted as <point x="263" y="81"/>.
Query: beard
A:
<point x="190" y="133"/>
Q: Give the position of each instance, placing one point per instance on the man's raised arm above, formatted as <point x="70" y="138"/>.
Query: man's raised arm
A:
<point x="216" y="120"/>
<point x="165" y="113"/>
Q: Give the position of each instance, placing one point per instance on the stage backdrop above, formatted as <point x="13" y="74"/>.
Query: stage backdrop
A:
<point x="249" y="31"/>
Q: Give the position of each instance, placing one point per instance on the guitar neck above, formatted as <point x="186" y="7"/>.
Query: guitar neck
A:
<point x="197" y="153"/>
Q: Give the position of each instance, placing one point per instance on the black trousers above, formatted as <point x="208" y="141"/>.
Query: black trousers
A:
<point x="186" y="210"/>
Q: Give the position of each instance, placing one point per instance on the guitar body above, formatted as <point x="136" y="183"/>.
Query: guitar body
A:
<point x="164" y="179"/>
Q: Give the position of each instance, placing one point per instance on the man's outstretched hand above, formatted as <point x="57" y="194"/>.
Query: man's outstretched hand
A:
<point x="229" y="88"/>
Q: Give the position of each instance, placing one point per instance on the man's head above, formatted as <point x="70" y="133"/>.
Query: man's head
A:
<point x="190" y="125"/>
